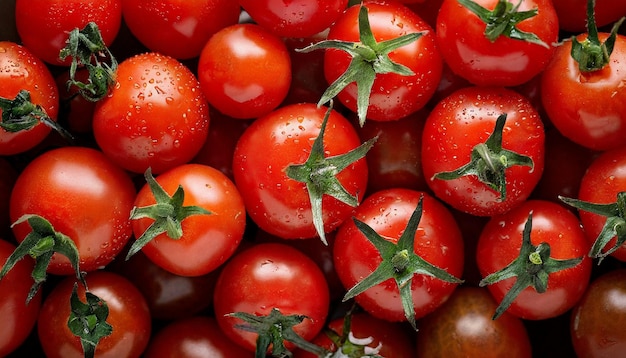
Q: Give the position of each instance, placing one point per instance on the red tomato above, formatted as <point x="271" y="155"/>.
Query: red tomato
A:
<point x="155" y="116"/>
<point x="76" y="111"/>
<point x="21" y="70"/>
<point x="503" y="61"/>
<point x="8" y="176"/>
<point x="178" y="28"/>
<point x="43" y="25"/>
<point x="437" y="240"/>
<point x="207" y="240"/>
<point x="500" y="243"/>
<point x="244" y="71"/>
<point x="271" y="276"/>
<point x="84" y="196"/>
<point x="128" y="315"/>
<point x="573" y="13"/>
<point x="18" y="317"/>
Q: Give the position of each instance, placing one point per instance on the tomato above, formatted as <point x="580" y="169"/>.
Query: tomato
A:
<point x="437" y="240"/>
<point x="497" y="59"/>
<point x="53" y="184"/>
<point x="307" y="71"/>
<point x="128" y="315"/>
<point x="573" y="18"/>
<point x="76" y="112"/>
<point x="43" y="25"/>
<point x="18" y="317"/>
<point x="270" y="276"/>
<point x="244" y="71"/>
<point x="8" y="176"/>
<point x="198" y="337"/>
<point x="598" y="318"/>
<point x="20" y="69"/>
<point x="456" y="133"/>
<point x="155" y="116"/>
<point x="207" y="239"/>
<point x="500" y="244"/>
<point x="462" y="326"/>
<point x="178" y="28"/>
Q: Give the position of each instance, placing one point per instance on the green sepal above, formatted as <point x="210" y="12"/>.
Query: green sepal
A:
<point x="532" y="268"/>
<point x="319" y="173"/>
<point x="489" y="162"/>
<point x="400" y="262"/>
<point x="87" y="48"/>
<point x="275" y="328"/>
<point x="168" y="213"/>
<point x="369" y="58"/>
<point x="88" y="320"/>
<point x="614" y="227"/>
<point x="349" y="346"/>
<point x="40" y="244"/>
<point x="503" y="21"/>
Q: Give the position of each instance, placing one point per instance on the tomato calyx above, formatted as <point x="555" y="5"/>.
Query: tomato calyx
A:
<point x="275" y="328"/>
<point x="41" y="243"/>
<point x="489" y="162"/>
<point x="87" y="48"/>
<point x="532" y="268"/>
<point x="168" y="213"/>
<point x="615" y="225"/>
<point x="88" y="320"/>
<point x="319" y="173"/>
<point x="369" y="58"/>
<point x="348" y="346"/>
<point x="400" y="262"/>
<point x="503" y="20"/>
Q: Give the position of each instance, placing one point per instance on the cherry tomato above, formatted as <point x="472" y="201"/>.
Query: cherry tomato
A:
<point x="573" y="13"/>
<point x="8" y="176"/>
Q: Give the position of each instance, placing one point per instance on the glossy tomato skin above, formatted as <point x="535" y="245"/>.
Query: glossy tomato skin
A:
<point x="84" y="196"/>
<point x="267" y="276"/>
<point x="18" y="317"/>
<point x="244" y="71"/>
<point x="463" y="326"/>
<point x="598" y="318"/>
<point x="128" y="315"/>
<point x="155" y="116"/>
<point x="466" y="118"/>
<point x="393" y="96"/>
<point x="20" y="69"/>
<point x="500" y="242"/>
<point x="208" y="240"/>
<point x="43" y="25"/>
<point x="505" y="61"/>
<point x="437" y="240"/>
<point x="588" y="108"/>
<point x="276" y="203"/>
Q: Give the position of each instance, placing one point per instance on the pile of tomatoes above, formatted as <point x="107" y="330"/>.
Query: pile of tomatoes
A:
<point x="389" y="178"/>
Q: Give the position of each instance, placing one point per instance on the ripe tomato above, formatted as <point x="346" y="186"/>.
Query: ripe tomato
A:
<point x="21" y="70"/>
<point x="128" y="315"/>
<point x="84" y="196"/>
<point x="573" y="17"/>
<point x="43" y="25"/>
<point x="8" y="176"/>
<point x="155" y="116"/>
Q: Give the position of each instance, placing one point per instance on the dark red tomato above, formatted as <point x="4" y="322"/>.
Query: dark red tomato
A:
<point x="573" y="13"/>
<point x="18" y="317"/>
<point x="504" y="61"/>
<point x="76" y="112"/>
<point x="393" y="96"/>
<point x="207" y="240"/>
<point x="155" y="116"/>
<point x="128" y="315"/>
<point x="178" y="28"/>
<point x="280" y="205"/>
<point x="467" y="118"/>
<point x="598" y="319"/>
<point x="387" y="339"/>
<point x="271" y="276"/>
<point x="500" y="243"/>
<point x="21" y="70"/>
<point x="244" y="71"/>
<point x="588" y="108"/>
<point x="300" y="18"/>
<point x="194" y="337"/>
<point x="426" y="9"/>
<point x="437" y="240"/>
<point x="84" y="196"/>
<point x="43" y="25"/>
<point x="307" y="71"/>
<point x="462" y="326"/>
<point x="8" y="176"/>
